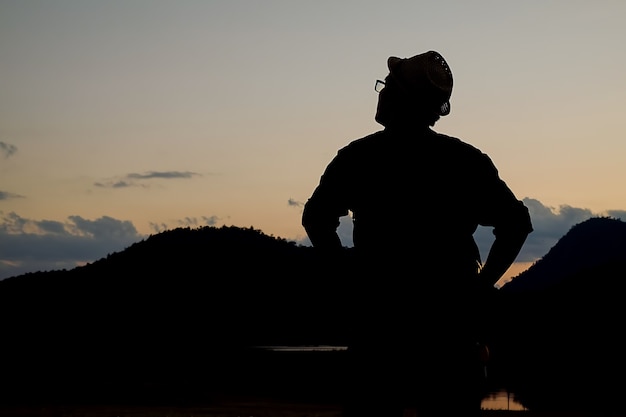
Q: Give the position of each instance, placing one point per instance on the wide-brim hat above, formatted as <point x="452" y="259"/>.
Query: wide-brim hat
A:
<point x="425" y="75"/>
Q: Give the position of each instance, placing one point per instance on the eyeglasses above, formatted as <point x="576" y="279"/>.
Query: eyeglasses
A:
<point x="378" y="87"/>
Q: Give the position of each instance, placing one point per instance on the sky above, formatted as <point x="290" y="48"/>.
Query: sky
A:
<point x="121" y="119"/>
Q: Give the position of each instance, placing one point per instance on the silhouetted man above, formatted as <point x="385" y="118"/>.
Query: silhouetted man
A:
<point x="416" y="198"/>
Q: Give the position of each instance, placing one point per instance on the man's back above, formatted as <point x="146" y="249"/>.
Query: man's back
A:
<point x="412" y="191"/>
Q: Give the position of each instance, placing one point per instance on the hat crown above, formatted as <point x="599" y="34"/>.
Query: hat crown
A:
<point x="439" y="72"/>
<point x="427" y="74"/>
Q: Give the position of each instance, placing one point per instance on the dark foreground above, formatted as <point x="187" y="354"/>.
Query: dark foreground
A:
<point x="249" y="407"/>
<point x="265" y="384"/>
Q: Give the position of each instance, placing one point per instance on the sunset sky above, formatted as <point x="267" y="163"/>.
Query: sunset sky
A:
<point x="123" y="118"/>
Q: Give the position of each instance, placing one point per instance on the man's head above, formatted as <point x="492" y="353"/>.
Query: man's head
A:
<point x="418" y="88"/>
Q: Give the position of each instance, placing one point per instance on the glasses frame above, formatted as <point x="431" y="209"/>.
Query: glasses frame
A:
<point x="379" y="85"/>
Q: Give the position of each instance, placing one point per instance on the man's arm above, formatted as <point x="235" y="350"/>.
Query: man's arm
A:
<point x="511" y="221"/>
<point x="501" y="256"/>
<point x="326" y="205"/>
<point x="321" y="226"/>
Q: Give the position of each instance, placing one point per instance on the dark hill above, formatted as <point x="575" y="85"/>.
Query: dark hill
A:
<point x="559" y="329"/>
<point x="235" y="280"/>
<point x="586" y="245"/>
<point x="227" y="278"/>
<point x="181" y="305"/>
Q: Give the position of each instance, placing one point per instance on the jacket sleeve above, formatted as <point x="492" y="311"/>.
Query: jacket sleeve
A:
<point x="501" y="208"/>
<point x="326" y="205"/>
<point x="510" y="220"/>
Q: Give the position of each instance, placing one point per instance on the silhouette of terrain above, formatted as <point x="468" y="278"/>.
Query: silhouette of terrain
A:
<point x="586" y="245"/>
<point x="562" y="320"/>
<point x="178" y="311"/>
<point x="176" y="317"/>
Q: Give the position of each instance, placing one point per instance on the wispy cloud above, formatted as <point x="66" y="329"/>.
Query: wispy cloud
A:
<point x="162" y="174"/>
<point x="5" y="195"/>
<point x="138" y="179"/>
<point x="617" y="214"/>
<point x="7" y="150"/>
<point x="192" y="222"/>
<point x="103" y="228"/>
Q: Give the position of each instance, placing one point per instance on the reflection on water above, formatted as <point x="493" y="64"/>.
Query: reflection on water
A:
<point x="316" y="348"/>
<point x="495" y="400"/>
<point x="501" y="400"/>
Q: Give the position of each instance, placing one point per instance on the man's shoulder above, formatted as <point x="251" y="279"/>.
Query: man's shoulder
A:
<point x="368" y="139"/>
<point x="431" y="141"/>
<point x="453" y="141"/>
<point x="364" y="143"/>
<point x="456" y="144"/>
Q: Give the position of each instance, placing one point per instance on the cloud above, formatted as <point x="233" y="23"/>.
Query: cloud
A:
<point x="39" y="245"/>
<point x="550" y="224"/>
<point x="162" y="174"/>
<point x="116" y="184"/>
<point x="617" y="214"/>
<point x="192" y="222"/>
<point x="136" y="179"/>
<point x="195" y="222"/>
<point x="7" y="149"/>
<point x="28" y="245"/>
<point x="5" y="195"/>
<point x="294" y="203"/>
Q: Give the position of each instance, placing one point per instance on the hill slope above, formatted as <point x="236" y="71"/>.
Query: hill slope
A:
<point x="559" y="329"/>
<point x="586" y="245"/>
<point x="178" y="306"/>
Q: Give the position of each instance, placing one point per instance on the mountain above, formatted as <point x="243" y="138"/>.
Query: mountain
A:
<point x="586" y="245"/>
<point x="559" y="331"/>
<point x="240" y="283"/>
<point x="182" y="305"/>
